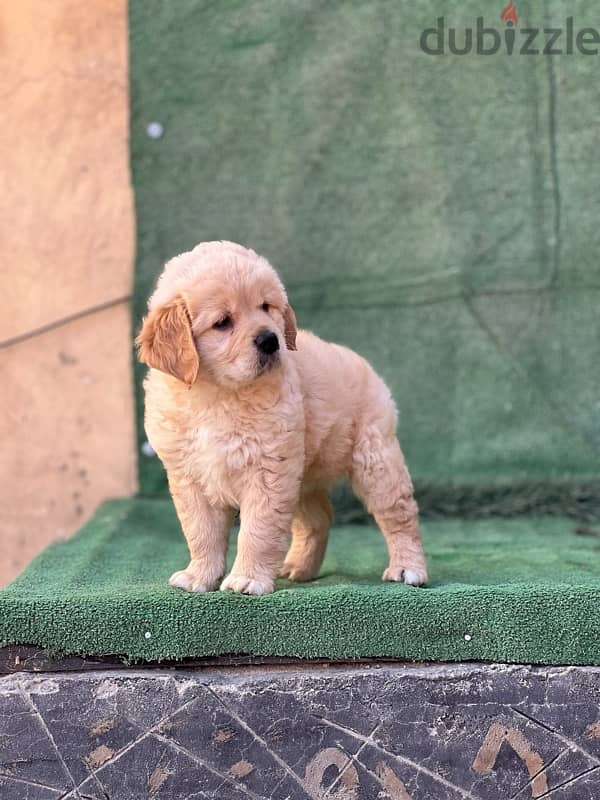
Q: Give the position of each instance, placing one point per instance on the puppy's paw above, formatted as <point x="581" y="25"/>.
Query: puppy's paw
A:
<point x="194" y="579"/>
<point x="298" y="572"/>
<point x="244" y="585"/>
<point x="413" y="576"/>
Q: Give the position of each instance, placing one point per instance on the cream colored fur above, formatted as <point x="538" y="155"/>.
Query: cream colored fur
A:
<point x="267" y="439"/>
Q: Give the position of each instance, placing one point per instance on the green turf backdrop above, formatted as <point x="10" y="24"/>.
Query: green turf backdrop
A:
<point x="436" y="213"/>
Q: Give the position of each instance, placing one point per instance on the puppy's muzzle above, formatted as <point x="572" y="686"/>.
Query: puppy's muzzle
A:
<point x="267" y="344"/>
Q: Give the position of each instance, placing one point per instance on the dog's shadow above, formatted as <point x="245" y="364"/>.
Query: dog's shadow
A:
<point x="331" y="578"/>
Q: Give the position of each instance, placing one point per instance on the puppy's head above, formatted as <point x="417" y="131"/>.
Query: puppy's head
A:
<point x="220" y="312"/>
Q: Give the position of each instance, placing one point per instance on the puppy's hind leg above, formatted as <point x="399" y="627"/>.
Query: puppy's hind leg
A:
<point x="310" y="530"/>
<point x="380" y="478"/>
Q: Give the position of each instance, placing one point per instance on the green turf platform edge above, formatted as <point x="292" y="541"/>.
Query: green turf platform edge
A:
<point x="334" y="629"/>
<point x="349" y="620"/>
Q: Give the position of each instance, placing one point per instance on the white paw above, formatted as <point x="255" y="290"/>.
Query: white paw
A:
<point x="190" y="581"/>
<point x="413" y="577"/>
<point x="244" y="585"/>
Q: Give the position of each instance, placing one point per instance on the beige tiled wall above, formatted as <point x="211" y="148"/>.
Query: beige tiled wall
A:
<point x="66" y="261"/>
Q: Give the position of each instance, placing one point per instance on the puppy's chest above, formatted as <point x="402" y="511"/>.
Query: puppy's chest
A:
<point x="220" y="458"/>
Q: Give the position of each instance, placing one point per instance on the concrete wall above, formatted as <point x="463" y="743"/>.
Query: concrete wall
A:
<point x="393" y="731"/>
<point x="66" y="264"/>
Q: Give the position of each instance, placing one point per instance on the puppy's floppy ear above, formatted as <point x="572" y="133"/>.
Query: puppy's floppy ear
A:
<point x="165" y="341"/>
<point x="290" y="330"/>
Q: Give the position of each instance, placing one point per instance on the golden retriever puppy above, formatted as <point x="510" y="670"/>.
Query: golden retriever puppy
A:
<point x="248" y="413"/>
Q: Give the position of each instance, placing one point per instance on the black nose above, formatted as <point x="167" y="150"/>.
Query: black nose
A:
<point x="267" y="342"/>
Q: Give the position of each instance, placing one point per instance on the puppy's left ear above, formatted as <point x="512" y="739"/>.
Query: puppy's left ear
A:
<point x="290" y="329"/>
<point x="166" y="341"/>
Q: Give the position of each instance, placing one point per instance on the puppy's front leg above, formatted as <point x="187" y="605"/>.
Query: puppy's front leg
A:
<point x="206" y="530"/>
<point x="266" y="518"/>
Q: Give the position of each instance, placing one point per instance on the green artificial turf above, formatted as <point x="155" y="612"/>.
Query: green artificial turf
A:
<point x="513" y="590"/>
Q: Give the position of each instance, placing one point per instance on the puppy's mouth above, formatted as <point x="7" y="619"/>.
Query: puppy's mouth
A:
<point x="266" y="362"/>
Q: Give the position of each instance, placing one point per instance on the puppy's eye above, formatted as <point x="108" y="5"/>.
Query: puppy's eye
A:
<point x="266" y="307"/>
<point x="223" y="323"/>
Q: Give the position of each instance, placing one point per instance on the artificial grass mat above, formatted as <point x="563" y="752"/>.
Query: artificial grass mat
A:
<point x="524" y="589"/>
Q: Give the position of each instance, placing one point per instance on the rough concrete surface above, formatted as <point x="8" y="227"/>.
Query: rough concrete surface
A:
<point x="404" y="732"/>
<point x="68" y="421"/>
<point x="66" y="250"/>
<point x="65" y="160"/>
